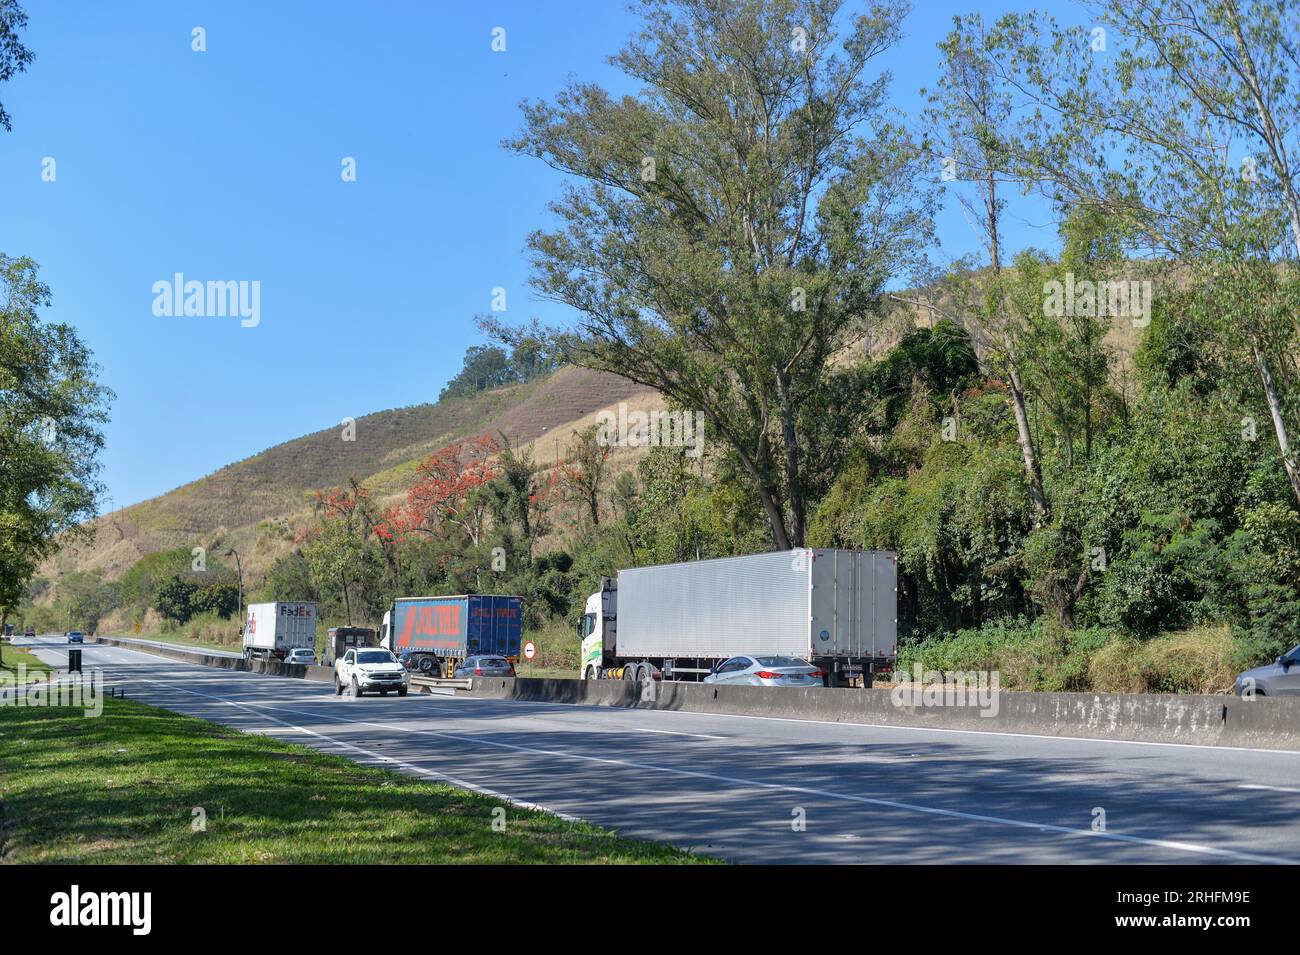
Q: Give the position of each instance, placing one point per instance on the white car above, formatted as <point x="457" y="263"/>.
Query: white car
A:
<point x="370" y="668"/>
<point x="303" y="655"/>
<point x="766" y="671"/>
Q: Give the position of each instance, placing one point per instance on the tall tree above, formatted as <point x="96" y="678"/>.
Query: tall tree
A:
<point x="731" y="226"/>
<point x="1180" y="120"/>
<point x="51" y="411"/>
<point x="584" y="471"/>
<point x="968" y="121"/>
<point x="14" y="57"/>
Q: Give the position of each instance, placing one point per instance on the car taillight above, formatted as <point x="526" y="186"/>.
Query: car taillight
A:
<point x="478" y="671"/>
<point x="767" y="675"/>
<point x="817" y="673"/>
<point x="512" y="669"/>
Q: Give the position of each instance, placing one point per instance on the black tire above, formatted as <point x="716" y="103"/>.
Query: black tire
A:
<point x="629" y="673"/>
<point x="401" y="692"/>
<point x="356" y="689"/>
<point x="427" y="665"/>
<point x="590" y="674"/>
<point x="338" y="687"/>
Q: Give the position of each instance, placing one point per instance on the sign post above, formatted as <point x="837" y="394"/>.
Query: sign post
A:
<point x="530" y="651"/>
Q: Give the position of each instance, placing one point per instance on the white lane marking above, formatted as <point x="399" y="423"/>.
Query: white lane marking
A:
<point x="1275" y="789"/>
<point x="386" y="760"/>
<point x="771" y="787"/>
<point x="900" y="727"/>
<point x="642" y="729"/>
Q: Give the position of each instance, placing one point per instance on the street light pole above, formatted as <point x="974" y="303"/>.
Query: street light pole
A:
<point x="240" y="571"/>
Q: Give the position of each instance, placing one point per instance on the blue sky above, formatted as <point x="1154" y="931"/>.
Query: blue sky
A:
<point x="226" y="165"/>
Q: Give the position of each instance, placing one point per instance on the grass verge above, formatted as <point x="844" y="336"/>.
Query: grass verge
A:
<point x="125" y="787"/>
<point x="14" y="657"/>
<point x="180" y="640"/>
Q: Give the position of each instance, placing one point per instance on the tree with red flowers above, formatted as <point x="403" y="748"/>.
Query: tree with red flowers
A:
<point x="584" y="471"/>
<point x="450" y="490"/>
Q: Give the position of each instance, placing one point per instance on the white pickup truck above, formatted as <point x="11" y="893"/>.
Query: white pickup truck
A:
<point x="370" y="668"/>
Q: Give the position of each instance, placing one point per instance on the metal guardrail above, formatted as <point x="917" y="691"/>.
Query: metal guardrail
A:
<point x="434" y="682"/>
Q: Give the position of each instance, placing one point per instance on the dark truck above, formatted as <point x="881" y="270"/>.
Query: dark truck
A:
<point x="343" y="639"/>
<point x="439" y="632"/>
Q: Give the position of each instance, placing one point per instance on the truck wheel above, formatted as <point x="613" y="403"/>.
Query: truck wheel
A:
<point x="401" y="692"/>
<point x="338" y="687"/>
<point x="356" y="689"/>
<point x="629" y="672"/>
<point x="589" y="674"/>
<point x="426" y="665"/>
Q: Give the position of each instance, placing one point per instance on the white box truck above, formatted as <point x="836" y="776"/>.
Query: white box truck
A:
<point x="837" y="609"/>
<point x="271" y="630"/>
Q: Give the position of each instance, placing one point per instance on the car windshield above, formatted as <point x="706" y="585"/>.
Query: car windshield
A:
<point x="780" y="662"/>
<point x="375" y="656"/>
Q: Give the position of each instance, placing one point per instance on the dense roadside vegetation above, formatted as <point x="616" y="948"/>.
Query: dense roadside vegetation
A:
<point x="132" y="785"/>
<point x="1100" y="492"/>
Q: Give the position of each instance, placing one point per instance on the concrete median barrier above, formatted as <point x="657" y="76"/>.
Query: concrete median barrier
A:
<point x="1262" y="723"/>
<point x="186" y="655"/>
<point x="1156" y="718"/>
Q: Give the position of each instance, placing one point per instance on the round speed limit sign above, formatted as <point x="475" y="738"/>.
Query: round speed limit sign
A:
<point x="530" y="650"/>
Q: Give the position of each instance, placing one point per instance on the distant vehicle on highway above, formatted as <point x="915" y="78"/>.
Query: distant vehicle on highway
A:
<point x="484" y="666"/>
<point x="837" y="609"/>
<point x="76" y="636"/>
<point x="303" y="655"/>
<point x="1279" y="678"/>
<point x="29" y="632"/>
<point x="370" y="669"/>
<point x="766" y="671"/>
<point x="273" y="629"/>
<point x="339" y="640"/>
<point x="9" y="630"/>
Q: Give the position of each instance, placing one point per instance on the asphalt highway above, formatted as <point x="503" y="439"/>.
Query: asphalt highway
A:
<point x="755" y="789"/>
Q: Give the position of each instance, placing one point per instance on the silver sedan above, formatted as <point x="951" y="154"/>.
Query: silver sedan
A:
<point x="1279" y="678"/>
<point x="484" y="666"/>
<point x="766" y="671"/>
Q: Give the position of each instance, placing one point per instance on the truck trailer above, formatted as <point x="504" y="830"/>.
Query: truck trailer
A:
<point x="271" y="630"/>
<point x="439" y="632"/>
<point x="837" y="609"/>
<point x="339" y="640"/>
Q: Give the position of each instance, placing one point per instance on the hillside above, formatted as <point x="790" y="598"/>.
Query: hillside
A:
<point x="259" y="504"/>
<point x="256" y="504"/>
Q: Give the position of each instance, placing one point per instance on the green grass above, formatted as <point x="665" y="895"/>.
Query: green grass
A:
<point x="20" y="656"/>
<point x="122" y="788"/>
<point x="1033" y="656"/>
<point x="545" y="673"/>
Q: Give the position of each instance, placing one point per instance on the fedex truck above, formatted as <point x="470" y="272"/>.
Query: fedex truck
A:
<point x="436" y="633"/>
<point x="271" y="630"/>
<point x="837" y="609"/>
